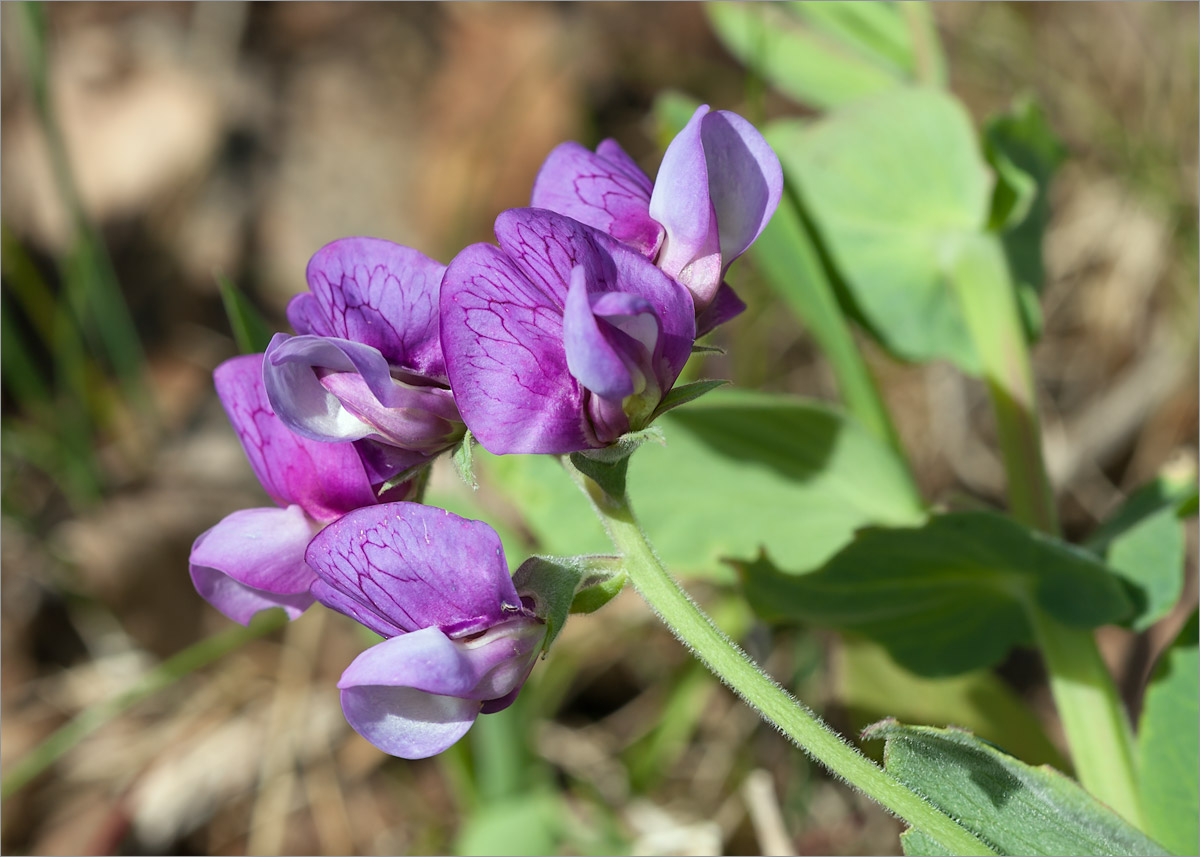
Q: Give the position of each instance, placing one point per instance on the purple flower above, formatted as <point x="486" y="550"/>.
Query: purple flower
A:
<point x="562" y="338"/>
<point x="254" y="558"/>
<point x="366" y="365"/>
<point x="717" y="187"/>
<point x="459" y="642"/>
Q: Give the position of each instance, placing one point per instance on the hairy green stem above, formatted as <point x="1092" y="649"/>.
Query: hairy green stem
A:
<point x="1094" y="720"/>
<point x="733" y="666"/>
<point x="162" y="676"/>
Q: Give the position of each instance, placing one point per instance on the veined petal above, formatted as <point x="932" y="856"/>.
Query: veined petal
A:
<point x="682" y="203"/>
<point x="502" y="337"/>
<point x="325" y="479"/>
<point x="416" y="694"/>
<point x="591" y="358"/>
<point x="254" y="560"/>
<point x="379" y="294"/>
<point x="413" y="567"/>
<point x="672" y="305"/>
<point x="745" y="180"/>
<point x="604" y="189"/>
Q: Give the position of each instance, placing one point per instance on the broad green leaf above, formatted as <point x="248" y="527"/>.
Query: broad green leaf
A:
<point x="792" y="264"/>
<point x="893" y="185"/>
<point x="1014" y="807"/>
<point x="873" y="29"/>
<point x="1144" y="544"/>
<point x="826" y="54"/>
<point x="1168" y="747"/>
<point x="872" y="686"/>
<point x="739" y="472"/>
<point x="946" y="597"/>
<point x="801" y="63"/>
<point x="1166" y="491"/>
<point x="551" y="507"/>
<point x="743" y="472"/>
<point x="1149" y="557"/>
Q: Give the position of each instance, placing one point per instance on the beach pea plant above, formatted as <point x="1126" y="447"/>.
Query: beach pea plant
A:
<point x="567" y="351"/>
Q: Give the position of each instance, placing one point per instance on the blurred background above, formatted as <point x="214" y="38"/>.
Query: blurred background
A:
<point x="150" y="148"/>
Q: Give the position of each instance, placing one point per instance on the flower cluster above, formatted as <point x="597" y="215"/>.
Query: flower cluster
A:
<point x="563" y="336"/>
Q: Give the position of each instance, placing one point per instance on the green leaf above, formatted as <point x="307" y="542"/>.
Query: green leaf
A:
<point x="798" y="272"/>
<point x="1149" y="557"/>
<point x="826" y="54"/>
<point x="946" y="597"/>
<point x="250" y="332"/>
<point x="1025" y="153"/>
<point x="552" y="508"/>
<point x="740" y="471"/>
<point x="893" y="185"/>
<point x="1168" y="747"/>
<point x="1144" y="544"/>
<point x="871" y="686"/>
<point x="562" y="585"/>
<point x="1168" y="491"/>
<point x="685" y="393"/>
<point x="1014" y="807"/>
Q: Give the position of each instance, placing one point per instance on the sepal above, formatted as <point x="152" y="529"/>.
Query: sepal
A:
<point x="463" y="456"/>
<point x="559" y="586"/>
<point x="686" y="393"/>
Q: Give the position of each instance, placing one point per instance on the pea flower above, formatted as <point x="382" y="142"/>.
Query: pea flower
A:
<point x="254" y="558"/>
<point x="458" y="640"/>
<point x="366" y="365"/>
<point x="718" y="186"/>
<point x="562" y="338"/>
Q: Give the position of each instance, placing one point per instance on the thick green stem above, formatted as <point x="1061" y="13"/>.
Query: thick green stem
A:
<point x="733" y="666"/>
<point x="1093" y="718"/>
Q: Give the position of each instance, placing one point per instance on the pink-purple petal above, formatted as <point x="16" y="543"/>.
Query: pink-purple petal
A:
<point x="745" y="180"/>
<point x="591" y="358"/>
<point x="295" y="373"/>
<point x="376" y="293"/>
<point x="604" y="189"/>
<point x="325" y="479"/>
<point x="421" y="419"/>
<point x="416" y="566"/>
<point x="416" y="694"/>
<point x="405" y="721"/>
<point x="681" y="202"/>
<point x="254" y="560"/>
<point x="502" y="337"/>
<point x="671" y="303"/>
<point x="725" y="306"/>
